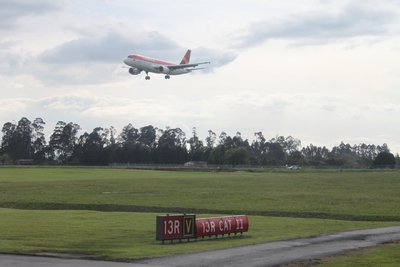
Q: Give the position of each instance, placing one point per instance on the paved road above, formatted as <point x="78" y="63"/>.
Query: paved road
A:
<point x="282" y="252"/>
<point x="39" y="261"/>
<point x="269" y="254"/>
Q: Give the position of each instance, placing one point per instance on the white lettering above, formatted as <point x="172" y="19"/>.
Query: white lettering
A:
<point x="221" y="225"/>
<point x="239" y="224"/>
<point x="207" y="227"/>
<point x="171" y="227"/>
<point x="212" y="226"/>
<point x="177" y="224"/>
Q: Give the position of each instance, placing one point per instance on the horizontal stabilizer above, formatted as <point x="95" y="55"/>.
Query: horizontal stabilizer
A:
<point x="185" y="66"/>
<point x="197" y="69"/>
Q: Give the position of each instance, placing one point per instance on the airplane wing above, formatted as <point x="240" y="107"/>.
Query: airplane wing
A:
<point x="185" y="66"/>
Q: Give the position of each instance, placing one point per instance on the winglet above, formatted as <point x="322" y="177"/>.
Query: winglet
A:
<point x="186" y="58"/>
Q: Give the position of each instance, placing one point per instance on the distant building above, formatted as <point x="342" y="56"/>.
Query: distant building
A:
<point x="196" y="164"/>
<point x="25" y="162"/>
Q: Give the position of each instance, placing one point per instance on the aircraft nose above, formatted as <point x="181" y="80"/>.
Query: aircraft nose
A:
<point x="126" y="61"/>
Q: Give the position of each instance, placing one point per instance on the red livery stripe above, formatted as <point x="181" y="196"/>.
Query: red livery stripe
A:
<point x="151" y="60"/>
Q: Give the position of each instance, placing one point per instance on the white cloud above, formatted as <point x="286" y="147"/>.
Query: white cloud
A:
<point x="323" y="26"/>
<point x="12" y="11"/>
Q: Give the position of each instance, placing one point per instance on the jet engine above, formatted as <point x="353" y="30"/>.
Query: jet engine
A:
<point x="163" y="69"/>
<point x="134" y="71"/>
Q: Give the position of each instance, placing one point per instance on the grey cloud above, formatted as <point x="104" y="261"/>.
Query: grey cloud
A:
<point x="11" y="11"/>
<point x="80" y="61"/>
<point x="217" y="58"/>
<point x="352" y="21"/>
<point x="110" y="48"/>
<point x="67" y="102"/>
<point x="114" y="46"/>
<point x="100" y="54"/>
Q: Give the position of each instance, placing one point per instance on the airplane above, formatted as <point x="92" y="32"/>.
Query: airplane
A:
<point x="140" y="63"/>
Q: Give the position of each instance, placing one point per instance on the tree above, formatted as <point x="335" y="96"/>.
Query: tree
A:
<point x="171" y="146"/>
<point x="24" y="147"/>
<point x="217" y="155"/>
<point x="91" y="148"/>
<point x="172" y="137"/>
<point x="366" y="154"/>
<point x="147" y="136"/>
<point x="9" y="139"/>
<point x="315" y="155"/>
<point x="237" y="156"/>
<point x="5" y="159"/>
<point x="17" y="139"/>
<point x="295" y="158"/>
<point x="291" y="145"/>
<point x="197" y="150"/>
<point x="210" y="139"/>
<point x="345" y="155"/>
<point x="385" y="159"/>
<point x="63" y="140"/>
<point x="135" y="146"/>
<point x="275" y="155"/>
<point x="24" y="140"/>
<point x="237" y="141"/>
<point x="225" y="140"/>
<point x="258" y="148"/>
<point x="110" y="135"/>
<point x="39" y="142"/>
<point x="129" y="134"/>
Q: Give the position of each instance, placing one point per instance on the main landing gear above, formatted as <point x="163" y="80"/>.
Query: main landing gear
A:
<point x="147" y="77"/>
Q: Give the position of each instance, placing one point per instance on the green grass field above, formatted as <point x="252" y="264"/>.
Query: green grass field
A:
<point x="386" y="255"/>
<point x="62" y="209"/>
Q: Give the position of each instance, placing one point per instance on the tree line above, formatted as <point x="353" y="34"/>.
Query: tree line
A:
<point x="25" y="140"/>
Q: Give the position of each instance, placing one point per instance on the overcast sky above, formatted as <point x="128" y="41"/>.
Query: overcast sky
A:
<point x="322" y="71"/>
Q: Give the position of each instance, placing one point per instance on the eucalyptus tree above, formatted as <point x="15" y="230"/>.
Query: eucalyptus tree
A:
<point x="63" y="140"/>
<point x="171" y="147"/>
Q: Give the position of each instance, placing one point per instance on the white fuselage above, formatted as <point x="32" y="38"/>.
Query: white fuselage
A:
<point x="153" y="65"/>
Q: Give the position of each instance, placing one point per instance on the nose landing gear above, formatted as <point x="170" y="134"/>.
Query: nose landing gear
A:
<point x="167" y="77"/>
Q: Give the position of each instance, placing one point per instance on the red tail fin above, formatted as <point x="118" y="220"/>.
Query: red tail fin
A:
<point x="186" y="58"/>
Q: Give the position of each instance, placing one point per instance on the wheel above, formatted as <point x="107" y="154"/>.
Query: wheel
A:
<point x="147" y="77"/>
<point x="167" y="77"/>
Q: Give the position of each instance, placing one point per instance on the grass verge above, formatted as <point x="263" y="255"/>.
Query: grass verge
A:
<point x="131" y="235"/>
<point x="383" y="256"/>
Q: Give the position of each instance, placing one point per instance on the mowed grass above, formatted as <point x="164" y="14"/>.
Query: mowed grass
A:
<point x="372" y="196"/>
<point x="364" y="193"/>
<point x="131" y="235"/>
<point x="383" y="256"/>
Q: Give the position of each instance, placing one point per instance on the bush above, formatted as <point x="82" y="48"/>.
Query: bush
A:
<point x="385" y="160"/>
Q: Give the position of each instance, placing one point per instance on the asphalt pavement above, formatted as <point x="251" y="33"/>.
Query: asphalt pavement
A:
<point x="283" y="252"/>
<point x="268" y="254"/>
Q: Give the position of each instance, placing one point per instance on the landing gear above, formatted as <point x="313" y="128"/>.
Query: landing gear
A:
<point x="147" y="76"/>
<point x="167" y="77"/>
